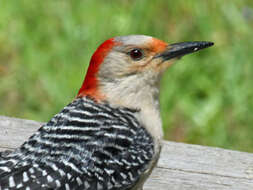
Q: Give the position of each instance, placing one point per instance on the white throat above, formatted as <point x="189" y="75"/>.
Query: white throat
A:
<point x="143" y="96"/>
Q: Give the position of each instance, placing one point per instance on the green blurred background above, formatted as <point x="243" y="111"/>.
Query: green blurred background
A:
<point x="206" y="98"/>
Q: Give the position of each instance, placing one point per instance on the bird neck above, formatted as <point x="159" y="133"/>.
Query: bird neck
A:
<point x="142" y="95"/>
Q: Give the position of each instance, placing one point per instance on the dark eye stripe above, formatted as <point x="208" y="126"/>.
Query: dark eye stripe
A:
<point x="136" y="54"/>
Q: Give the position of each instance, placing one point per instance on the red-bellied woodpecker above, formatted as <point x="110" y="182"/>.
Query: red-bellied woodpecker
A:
<point x="109" y="137"/>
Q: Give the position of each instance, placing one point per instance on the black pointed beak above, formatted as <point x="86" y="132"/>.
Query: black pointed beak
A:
<point x="180" y="49"/>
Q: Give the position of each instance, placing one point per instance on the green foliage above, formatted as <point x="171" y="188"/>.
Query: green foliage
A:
<point x="206" y="98"/>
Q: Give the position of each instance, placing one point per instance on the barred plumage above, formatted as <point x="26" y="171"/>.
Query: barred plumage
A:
<point x="85" y="146"/>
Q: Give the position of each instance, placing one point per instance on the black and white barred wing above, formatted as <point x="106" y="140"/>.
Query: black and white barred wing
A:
<point x="30" y="176"/>
<point x="86" y="146"/>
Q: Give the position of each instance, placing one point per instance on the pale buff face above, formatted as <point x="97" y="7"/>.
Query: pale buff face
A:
<point x="119" y="63"/>
<point x="129" y="81"/>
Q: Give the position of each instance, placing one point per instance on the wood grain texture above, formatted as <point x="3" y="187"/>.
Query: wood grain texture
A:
<point x="181" y="166"/>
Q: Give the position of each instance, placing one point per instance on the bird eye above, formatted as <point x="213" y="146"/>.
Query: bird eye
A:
<point x="136" y="54"/>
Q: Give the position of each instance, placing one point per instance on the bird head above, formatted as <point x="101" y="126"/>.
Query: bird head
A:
<point x="125" y="70"/>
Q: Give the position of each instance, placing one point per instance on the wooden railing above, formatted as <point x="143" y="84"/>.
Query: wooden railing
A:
<point x="181" y="166"/>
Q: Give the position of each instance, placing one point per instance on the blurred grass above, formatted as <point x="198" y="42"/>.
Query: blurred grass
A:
<point x="206" y="98"/>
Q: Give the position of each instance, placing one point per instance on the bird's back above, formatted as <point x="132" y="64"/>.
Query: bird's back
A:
<point x="87" y="145"/>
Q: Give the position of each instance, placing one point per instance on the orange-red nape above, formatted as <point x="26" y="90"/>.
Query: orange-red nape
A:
<point x="90" y="84"/>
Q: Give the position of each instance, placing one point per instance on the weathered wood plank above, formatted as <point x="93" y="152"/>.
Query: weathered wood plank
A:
<point x="181" y="166"/>
<point x="194" y="167"/>
<point x="14" y="131"/>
